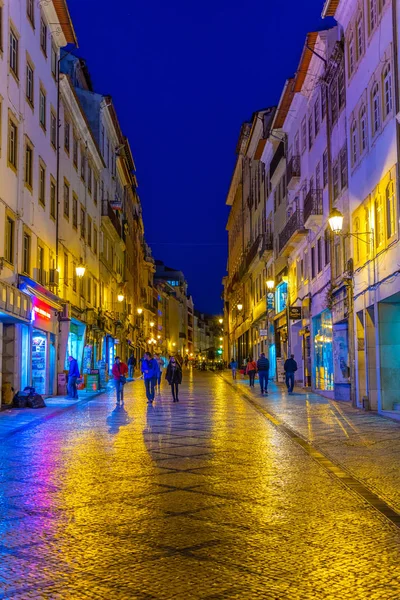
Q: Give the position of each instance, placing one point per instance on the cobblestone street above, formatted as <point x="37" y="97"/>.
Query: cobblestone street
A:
<point x="208" y="498"/>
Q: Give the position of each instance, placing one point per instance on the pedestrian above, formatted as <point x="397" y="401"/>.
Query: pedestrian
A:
<point x="290" y="367"/>
<point x="150" y="371"/>
<point x="251" y="370"/>
<point x="263" y="372"/>
<point x="119" y="372"/>
<point x="73" y="375"/>
<point x="174" y="377"/>
<point x="131" y="365"/>
<point x="233" y="367"/>
<point x="186" y="361"/>
<point x="161" y="365"/>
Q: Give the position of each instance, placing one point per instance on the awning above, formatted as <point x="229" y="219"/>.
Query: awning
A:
<point x="36" y="294"/>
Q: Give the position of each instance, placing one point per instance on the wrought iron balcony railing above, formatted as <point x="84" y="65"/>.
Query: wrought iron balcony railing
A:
<point x="294" y="224"/>
<point x="293" y="169"/>
<point x="312" y="204"/>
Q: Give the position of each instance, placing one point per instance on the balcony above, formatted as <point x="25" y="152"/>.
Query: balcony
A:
<point x="110" y="216"/>
<point x="292" y="233"/>
<point x="276" y="159"/>
<point x="267" y="245"/>
<point x="253" y="251"/>
<point x="293" y="172"/>
<point x="313" y="209"/>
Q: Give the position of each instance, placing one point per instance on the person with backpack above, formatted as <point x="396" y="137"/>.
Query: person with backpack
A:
<point x="251" y="370"/>
<point x="263" y="372"/>
<point x="174" y="377"/>
<point x="150" y="370"/>
<point x="290" y="368"/>
<point x="119" y="372"/>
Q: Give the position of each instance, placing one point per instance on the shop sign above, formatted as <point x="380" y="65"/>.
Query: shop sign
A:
<point x="263" y="332"/>
<point x="294" y="313"/>
<point x="41" y="312"/>
<point x="116" y="204"/>
<point x="270" y="300"/>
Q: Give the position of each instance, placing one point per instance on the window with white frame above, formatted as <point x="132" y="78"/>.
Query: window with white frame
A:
<point x="379" y="222"/>
<point x="310" y="132"/>
<point x="53" y="129"/>
<point x="390" y="210"/>
<point x="375" y="108"/>
<point x="325" y="168"/>
<point x="43" y="36"/>
<point x="317" y="118"/>
<point x="360" y="35"/>
<point x="29" y="83"/>
<point x="14" y="50"/>
<point x="387" y="89"/>
<point x="354" y="142"/>
<point x="30" y="11"/>
<point x="372" y="14"/>
<point x="303" y="135"/>
<point x="323" y="102"/>
<point x="54" y="61"/>
<point x="352" y="53"/>
<point x="42" y="184"/>
<point x="42" y="108"/>
<point x="363" y="129"/>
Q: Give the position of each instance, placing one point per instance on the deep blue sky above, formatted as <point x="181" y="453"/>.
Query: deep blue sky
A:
<point x="184" y="75"/>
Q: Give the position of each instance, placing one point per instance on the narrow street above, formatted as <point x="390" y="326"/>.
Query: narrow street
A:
<point x="208" y="498"/>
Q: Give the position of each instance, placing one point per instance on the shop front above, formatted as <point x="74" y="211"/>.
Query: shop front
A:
<point x="76" y="344"/>
<point x="322" y="332"/>
<point x="341" y="354"/>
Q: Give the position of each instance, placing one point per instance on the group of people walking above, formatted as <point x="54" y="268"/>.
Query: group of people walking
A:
<point x="152" y="368"/>
<point x="262" y="368"/>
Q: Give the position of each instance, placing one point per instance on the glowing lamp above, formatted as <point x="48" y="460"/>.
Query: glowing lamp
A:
<point x="239" y="306"/>
<point x="336" y="221"/>
<point x="270" y="284"/>
<point x="120" y="297"/>
<point x="139" y="311"/>
<point x="220" y="321"/>
<point x="151" y="323"/>
<point x="80" y="270"/>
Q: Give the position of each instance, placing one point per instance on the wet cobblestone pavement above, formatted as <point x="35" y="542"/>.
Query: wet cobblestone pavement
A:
<point x="202" y="499"/>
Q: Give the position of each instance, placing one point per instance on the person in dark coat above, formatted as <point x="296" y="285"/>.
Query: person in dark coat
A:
<point x="263" y="372"/>
<point x="290" y="367"/>
<point x="174" y="377"/>
<point x="73" y="375"/>
<point x="150" y="370"/>
<point x="131" y="365"/>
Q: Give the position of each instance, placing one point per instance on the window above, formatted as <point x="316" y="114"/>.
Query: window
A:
<point x="354" y="143"/>
<point x="102" y="140"/>
<point x="334" y="106"/>
<point x="357" y="240"/>
<point x="26" y="257"/>
<point x="89" y="290"/>
<point x="54" y="57"/>
<point x="327" y="244"/>
<point x="74" y="212"/>
<point x="89" y="232"/>
<point x="83" y="223"/>
<point x="303" y="135"/>
<point x="82" y="288"/>
<point x="363" y="128"/>
<point x="360" y="36"/>
<point x="66" y="200"/>
<point x="74" y="277"/>
<point x="310" y="132"/>
<point x="318" y="176"/>
<point x="53" y="129"/>
<point x="12" y="143"/>
<point x="43" y="36"/>
<point x="28" y="165"/>
<point x="14" y="50"/>
<point x="42" y="108"/>
<point x="387" y="89"/>
<point x="53" y="198"/>
<point x="82" y="164"/>
<point x="42" y="184"/>
<point x="312" y="262"/>
<point x="9" y="240"/>
<point x="95" y="239"/>
<point x="372" y="14"/>
<point x="323" y="102"/>
<point x="379" y="222"/>
<point x="30" y="11"/>
<point x="335" y="177"/>
<point x="319" y="255"/>
<point x="29" y="83"/>
<point x="376" y="109"/>
<point x="65" y="268"/>
<point x="94" y="293"/>
<point x="317" y="119"/>
<point x="67" y="131"/>
<point x="89" y="179"/>
<point x="40" y="264"/>
<point x="352" y="54"/>
<point x="341" y="89"/>
<point x="325" y="168"/>
<point x="343" y="167"/>
<point x="95" y="190"/>
<point x="338" y="257"/>
<point x="75" y="152"/>
<point x="1" y="27"/>
<point x="390" y="210"/>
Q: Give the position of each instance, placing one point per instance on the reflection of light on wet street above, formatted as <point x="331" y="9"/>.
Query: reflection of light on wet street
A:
<point x="205" y="498"/>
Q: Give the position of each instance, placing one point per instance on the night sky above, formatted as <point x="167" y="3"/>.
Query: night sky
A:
<point x="184" y="75"/>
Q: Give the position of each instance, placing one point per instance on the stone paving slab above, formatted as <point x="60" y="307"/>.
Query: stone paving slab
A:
<point x="93" y="506"/>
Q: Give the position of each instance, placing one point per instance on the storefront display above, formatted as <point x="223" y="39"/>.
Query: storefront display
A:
<point x="323" y="351"/>
<point x="75" y="344"/>
<point x="39" y="361"/>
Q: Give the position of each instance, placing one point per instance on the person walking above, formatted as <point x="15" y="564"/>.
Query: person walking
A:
<point x="174" y="377"/>
<point x="233" y="367"/>
<point x="131" y="366"/>
<point x="263" y="372"/>
<point x="161" y="365"/>
<point x="290" y="367"/>
<point x="150" y="372"/>
<point x="251" y="370"/>
<point x="119" y="372"/>
<point x="73" y="375"/>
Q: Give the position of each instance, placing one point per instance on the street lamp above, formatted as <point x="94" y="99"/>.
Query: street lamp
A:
<point x="139" y="311"/>
<point x="336" y="221"/>
<point x="173" y="343"/>
<point x="80" y="270"/>
<point x="151" y="323"/>
<point x="220" y="339"/>
<point x="270" y="284"/>
<point x="159" y="337"/>
<point x="220" y="321"/>
<point x="120" y="297"/>
<point x="239" y="307"/>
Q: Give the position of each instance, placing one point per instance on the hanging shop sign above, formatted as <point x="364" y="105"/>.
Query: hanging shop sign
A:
<point x="263" y="332"/>
<point x="41" y="312"/>
<point x="270" y="300"/>
<point x="294" y="313"/>
<point x="116" y="204"/>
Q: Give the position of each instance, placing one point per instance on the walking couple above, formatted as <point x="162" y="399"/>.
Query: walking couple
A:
<point x="262" y="368"/>
<point x="152" y="371"/>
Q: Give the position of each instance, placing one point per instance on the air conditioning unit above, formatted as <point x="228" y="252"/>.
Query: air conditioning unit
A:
<point x="54" y="277"/>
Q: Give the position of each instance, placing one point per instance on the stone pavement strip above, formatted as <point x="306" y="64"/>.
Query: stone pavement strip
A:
<point x="206" y="498"/>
